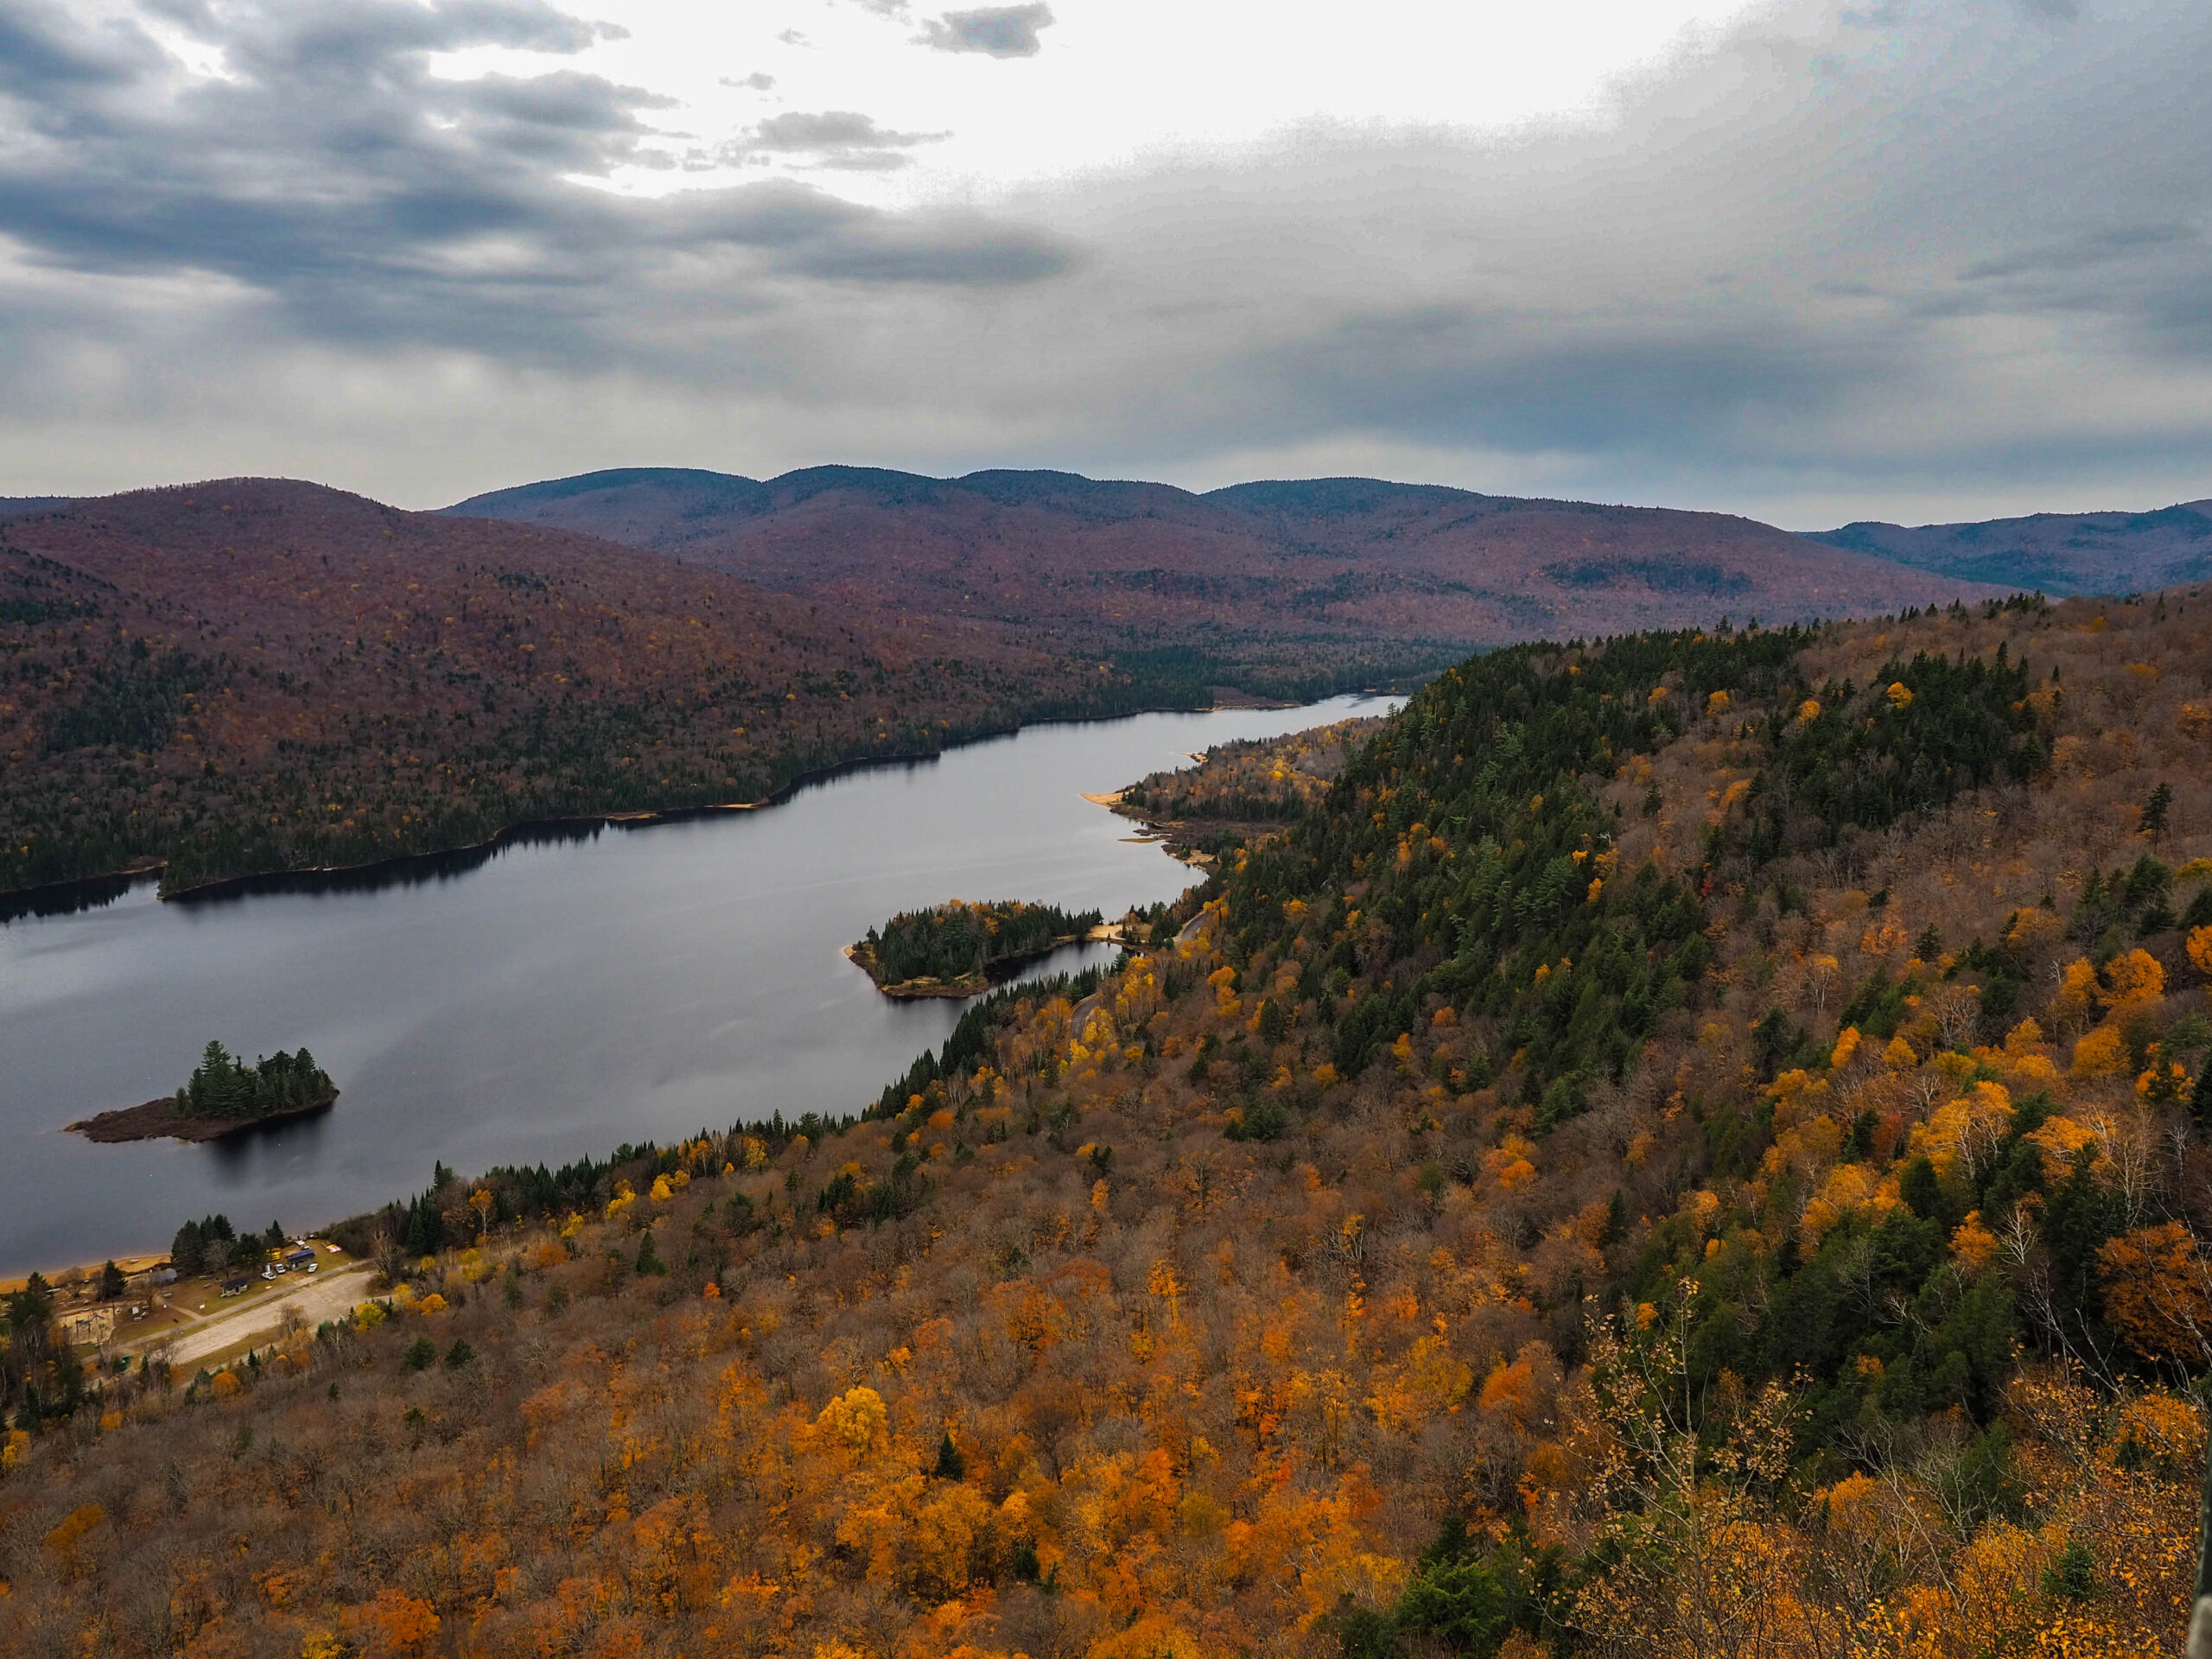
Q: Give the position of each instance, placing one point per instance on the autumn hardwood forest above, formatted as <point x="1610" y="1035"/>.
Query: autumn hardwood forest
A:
<point x="1288" y="587"/>
<point x="255" y="676"/>
<point x="1692" y="1146"/>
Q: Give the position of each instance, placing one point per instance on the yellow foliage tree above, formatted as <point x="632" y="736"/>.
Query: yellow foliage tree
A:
<point x="1973" y="1245"/>
<point x="857" y="1420"/>
<point x="2100" y="1053"/>
<point x="2200" y="950"/>
<point x="2133" y="980"/>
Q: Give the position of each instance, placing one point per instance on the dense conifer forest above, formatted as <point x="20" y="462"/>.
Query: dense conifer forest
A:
<point x="222" y="1085"/>
<point x="958" y="943"/>
<point x="1694" y="1145"/>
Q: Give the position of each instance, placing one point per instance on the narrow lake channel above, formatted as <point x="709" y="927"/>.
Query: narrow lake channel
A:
<point x="553" y="999"/>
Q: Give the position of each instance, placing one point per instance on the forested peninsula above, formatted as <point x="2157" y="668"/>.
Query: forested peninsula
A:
<point x="1694" y="1144"/>
<point x="1244" y="789"/>
<point x="951" y="948"/>
<point x="223" y="1096"/>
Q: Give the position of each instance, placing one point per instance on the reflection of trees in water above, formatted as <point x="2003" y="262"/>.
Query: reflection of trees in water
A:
<point x="425" y="869"/>
<point x="417" y="870"/>
<point x="234" y="1154"/>
<point x="66" y="898"/>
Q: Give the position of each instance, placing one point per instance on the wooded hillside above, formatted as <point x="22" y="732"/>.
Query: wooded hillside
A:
<point x="1694" y="1148"/>
<point x="1285" y="587"/>
<point x="1242" y="789"/>
<point x="2056" y="552"/>
<point x="254" y="674"/>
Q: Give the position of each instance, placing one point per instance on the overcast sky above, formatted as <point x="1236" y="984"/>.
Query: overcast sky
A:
<point x="1912" y="259"/>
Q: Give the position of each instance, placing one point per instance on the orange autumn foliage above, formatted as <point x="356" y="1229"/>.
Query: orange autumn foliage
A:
<point x="1110" y="1379"/>
<point x="394" y="1624"/>
<point x="2158" y="1292"/>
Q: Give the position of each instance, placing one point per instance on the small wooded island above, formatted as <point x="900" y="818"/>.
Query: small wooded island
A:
<point x="224" y="1096"/>
<point x="950" y="950"/>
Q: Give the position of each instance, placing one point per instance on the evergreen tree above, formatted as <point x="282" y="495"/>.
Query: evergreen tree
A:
<point x="188" y="1250"/>
<point x="1918" y="1187"/>
<point x="1616" y="1224"/>
<point x="29" y="1308"/>
<point x="202" y="1246"/>
<point x="425" y="1233"/>
<point x="950" y="1465"/>
<point x="224" y="1086"/>
<point x="2156" y="809"/>
<point x="2073" y="1576"/>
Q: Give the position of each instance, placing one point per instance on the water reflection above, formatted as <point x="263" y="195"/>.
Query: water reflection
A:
<point x="548" y="997"/>
<point x="420" y="869"/>
<point x="67" y="897"/>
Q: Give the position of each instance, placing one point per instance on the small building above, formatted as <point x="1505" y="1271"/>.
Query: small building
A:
<point x="298" y="1258"/>
<point x="235" y="1286"/>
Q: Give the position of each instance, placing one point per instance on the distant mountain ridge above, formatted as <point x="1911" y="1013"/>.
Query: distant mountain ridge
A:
<point x="248" y="676"/>
<point x="2060" y="553"/>
<point x="1259" y="580"/>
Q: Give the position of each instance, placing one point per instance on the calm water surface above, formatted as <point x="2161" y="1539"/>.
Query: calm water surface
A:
<point x="555" y="1001"/>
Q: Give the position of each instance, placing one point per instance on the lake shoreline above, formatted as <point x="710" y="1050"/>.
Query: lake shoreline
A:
<point x="385" y="979"/>
<point x="77" y="891"/>
<point x="1177" y="837"/>
<point x="970" y="985"/>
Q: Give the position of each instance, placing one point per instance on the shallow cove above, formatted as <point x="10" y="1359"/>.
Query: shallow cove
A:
<point x="553" y="999"/>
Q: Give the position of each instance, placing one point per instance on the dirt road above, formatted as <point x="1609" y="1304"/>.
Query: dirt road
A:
<point x="330" y="1293"/>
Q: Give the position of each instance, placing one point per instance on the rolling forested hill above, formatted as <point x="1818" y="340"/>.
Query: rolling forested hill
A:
<point x="1693" y="1146"/>
<point x="2055" y="552"/>
<point x="1273" y="587"/>
<point x="255" y="675"/>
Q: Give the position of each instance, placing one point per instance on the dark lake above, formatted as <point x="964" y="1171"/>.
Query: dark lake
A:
<point x="552" y="1001"/>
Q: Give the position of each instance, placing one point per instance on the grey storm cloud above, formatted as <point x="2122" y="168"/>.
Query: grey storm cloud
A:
<point x="332" y="174"/>
<point x="1827" y="263"/>
<point x="836" y="138"/>
<point x="997" y="31"/>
